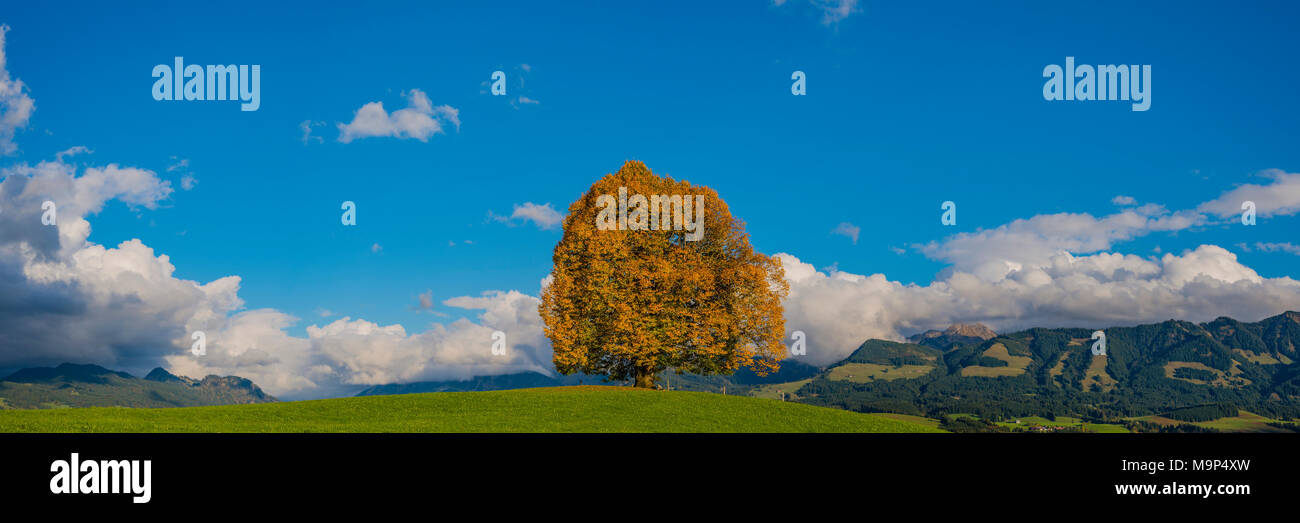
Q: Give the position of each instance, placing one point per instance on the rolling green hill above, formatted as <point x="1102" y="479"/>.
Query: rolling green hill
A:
<point x="561" y="409"/>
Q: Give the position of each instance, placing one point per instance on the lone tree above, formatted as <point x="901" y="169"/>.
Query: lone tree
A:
<point x="641" y="284"/>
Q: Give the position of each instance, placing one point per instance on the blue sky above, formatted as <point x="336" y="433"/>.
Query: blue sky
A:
<point x="908" y="105"/>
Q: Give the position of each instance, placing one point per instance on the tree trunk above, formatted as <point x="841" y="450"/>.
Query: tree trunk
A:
<point x="645" y="378"/>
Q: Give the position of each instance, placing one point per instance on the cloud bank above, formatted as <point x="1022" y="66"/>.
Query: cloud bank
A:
<point x="839" y="310"/>
<point x="63" y="298"/>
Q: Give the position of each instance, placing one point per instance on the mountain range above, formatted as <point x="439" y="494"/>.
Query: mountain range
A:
<point x="1146" y="370"/>
<point x="73" y="385"/>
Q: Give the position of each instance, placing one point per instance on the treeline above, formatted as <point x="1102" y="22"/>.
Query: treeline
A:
<point x="1203" y="412"/>
<point x="1195" y="374"/>
<point x="1147" y="426"/>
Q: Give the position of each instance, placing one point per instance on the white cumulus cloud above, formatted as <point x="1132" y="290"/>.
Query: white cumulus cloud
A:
<point x="1281" y="197"/>
<point x="420" y="120"/>
<point x="543" y="216"/>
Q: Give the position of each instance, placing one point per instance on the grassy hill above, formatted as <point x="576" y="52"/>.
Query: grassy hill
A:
<point x="558" y="409"/>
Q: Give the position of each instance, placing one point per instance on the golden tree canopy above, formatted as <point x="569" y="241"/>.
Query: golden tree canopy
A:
<point x="643" y="286"/>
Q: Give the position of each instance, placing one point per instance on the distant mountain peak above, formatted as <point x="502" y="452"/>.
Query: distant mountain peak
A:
<point x="231" y="385"/>
<point x="957" y="333"/>
<point x="160" y="374"/>
<point x="973" y="330"/>
<point x="73" y="372"/>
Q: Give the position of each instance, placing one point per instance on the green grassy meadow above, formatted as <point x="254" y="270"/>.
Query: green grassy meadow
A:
<point x="555" y="409"/>
<point x="1064" y="421"/>
<point x="869" y="372"/>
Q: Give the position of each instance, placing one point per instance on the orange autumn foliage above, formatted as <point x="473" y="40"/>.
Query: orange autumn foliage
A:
<point x="632" y="303"/>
